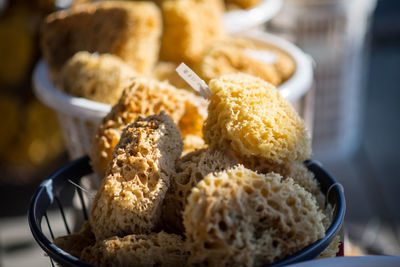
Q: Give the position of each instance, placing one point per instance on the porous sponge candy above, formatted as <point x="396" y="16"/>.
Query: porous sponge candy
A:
<point x="137" y="178"/>
<point x="227" y="58"/>
<point x="190" y="26"/>
<point x="143" y="98"/>
<point x="129" y="30"/>
<point x="295" y="170"/>
<point x="99" y="77"/>
<point x="190" y="170"/>
<point x="155" y="249"/>
<point x="249" y="116"/>
<point x="240" y="216"/>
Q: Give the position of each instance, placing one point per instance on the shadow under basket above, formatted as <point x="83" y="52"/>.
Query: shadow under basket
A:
<point x="57" y="192"/>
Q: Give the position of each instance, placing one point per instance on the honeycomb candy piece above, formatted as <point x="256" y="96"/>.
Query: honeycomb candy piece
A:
<point x="284" y="63"/>
<point x="332" y="249"/>
<point x="143" y="98"/>
<point x="190" y="170"/>
<point x="137" y="178"/>
<point x="129" y="30"/>
<point x="302" y="176"/>
<point x="165" y="71"/>
<point x="190" y="26"/>
<point x="155" y="249"/>
<point x="223" y="59"/>
<point x="237" y="54"/>
<point x="96" y="77"/>
<point x="238" y="217"/>
<point x="76" y="242"/>
<point x="299" y="173"/>
<point x="295" y="170"/>
<point x="249" y="116"/>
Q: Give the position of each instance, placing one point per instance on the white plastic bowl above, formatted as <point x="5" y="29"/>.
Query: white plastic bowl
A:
<point x="80" y="117"/>
<point x="301" y="80"/>
<point x="243" y="19"/>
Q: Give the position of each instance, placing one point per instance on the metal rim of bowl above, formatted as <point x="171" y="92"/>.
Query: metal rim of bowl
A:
<point x="44" y="196"/>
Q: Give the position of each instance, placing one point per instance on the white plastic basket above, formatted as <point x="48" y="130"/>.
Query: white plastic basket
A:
<point x="239" y="20"/>
<point x="80" y="117"/>
<point x="334" y="33"/>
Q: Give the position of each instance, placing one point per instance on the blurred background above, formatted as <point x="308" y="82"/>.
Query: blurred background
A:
<point x="356" y="49"/>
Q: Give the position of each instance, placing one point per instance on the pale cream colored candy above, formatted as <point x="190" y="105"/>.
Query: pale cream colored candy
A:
<point x="190" y="170"/>
<point x="155" y="249"/>
<point x="190" y="26"/>
<point x="294" y="169"/>
<point x="236" y="54"/>
<point x="137" y="178"/>
<point x="249" y="116"/>
<point x="98" y="77"/>
<point x="129" y="30"/>
<point x="221" y="59"/>
<point x="238" y="217"/>
<point x="145" y="97"/>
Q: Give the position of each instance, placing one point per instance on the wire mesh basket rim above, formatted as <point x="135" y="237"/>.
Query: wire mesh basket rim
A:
<point x="44" y="195"/>
<point x="81" y="167"/>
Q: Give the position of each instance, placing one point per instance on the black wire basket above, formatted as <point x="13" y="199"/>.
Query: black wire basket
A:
<point x="56" y="192"/>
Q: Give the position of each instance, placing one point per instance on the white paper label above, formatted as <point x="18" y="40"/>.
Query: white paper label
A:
<point x="193" y="80"/>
